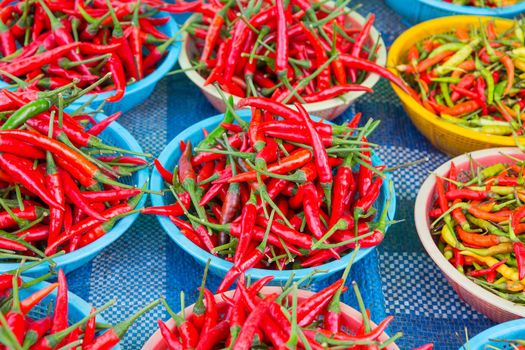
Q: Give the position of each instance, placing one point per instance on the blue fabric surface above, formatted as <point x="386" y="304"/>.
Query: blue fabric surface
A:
<point x="398" y="279"/>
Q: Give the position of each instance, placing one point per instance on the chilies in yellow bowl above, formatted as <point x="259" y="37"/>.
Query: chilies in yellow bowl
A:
<point x="449" y="138"/>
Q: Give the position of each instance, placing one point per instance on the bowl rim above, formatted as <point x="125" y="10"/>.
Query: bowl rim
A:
<point x="498" y="331"/>
<point x="394" y="58"/>
<point x="422" y="227"/>
<point x="117" y="231"/>
<point x="156" y="339"/>
<point x="345" y="99"/>
<point x="156" y="184"/>
<point x="167" y="64"/>
<point x="473" y="10"/>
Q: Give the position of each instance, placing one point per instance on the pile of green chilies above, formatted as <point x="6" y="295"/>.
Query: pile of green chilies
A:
<point x="59" y="182"/>
<point x="51" y="43"/>
<point x="21" y="327"/>
<point x="280" y="191"/>
<point x="290" y="51"/>
<point x="479" y="218"/>
<point x="484" y="3"/>
<point x="254" y="317"/>
<point x="474" y="78"/>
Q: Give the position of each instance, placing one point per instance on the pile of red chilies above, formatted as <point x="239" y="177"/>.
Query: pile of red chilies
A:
<point x="51" y="43"/>
<point x="301" y="50"/>
<point x="253" y="317"/>
<point x="23" y="325"/>
<point x="279" y="192"/>
<point x="58" y="180"/>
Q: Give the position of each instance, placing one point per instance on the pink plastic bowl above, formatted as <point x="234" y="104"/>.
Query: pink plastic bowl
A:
<point x="350" y="316"/>
<point x="489" y="304"/>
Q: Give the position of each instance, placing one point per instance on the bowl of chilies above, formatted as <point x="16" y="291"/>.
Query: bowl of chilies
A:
<point x="293" y="232"/>
<point x="467" y="74"/>
<point x="42" y="315"/>
<point x="84" y="193"/>
<point x="469" y="218"/>
<point x="279" y="317"/>
<point x="416" y="11"/>
<point x="138" y="47"/>
<point x="288" y="61"/>
<point x="505" y="336"/>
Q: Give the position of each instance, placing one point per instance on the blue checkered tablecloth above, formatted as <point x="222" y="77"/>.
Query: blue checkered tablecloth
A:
<point x="398" y="279"/>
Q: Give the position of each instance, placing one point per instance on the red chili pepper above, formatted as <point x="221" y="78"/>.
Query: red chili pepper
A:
<point x="309" y="309"/>
<point x="7" y="40"/>
<point x="171" y="340"/>
<point x="213" y="32"/>
<point x="60" y="314"/>
<point x="324" y="171"/>
<point x="75" y="196"/>
<point x="34" y="299"/>
<point x="465" y="193"/>
<point x="311" y="210"/>
<point x="360" y="63"/>
<point x="21" y="170"/>
<point x="361" y="39"/>
<point x="117" y="71"/>
<point x="36" y="330"/>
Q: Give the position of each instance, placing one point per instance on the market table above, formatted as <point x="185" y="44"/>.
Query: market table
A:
<point x="399" y="279"/>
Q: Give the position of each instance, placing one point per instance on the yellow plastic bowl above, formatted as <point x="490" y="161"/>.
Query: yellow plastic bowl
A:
<point x="447" y="137"/>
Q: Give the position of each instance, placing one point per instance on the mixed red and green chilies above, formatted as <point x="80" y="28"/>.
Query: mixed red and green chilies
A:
<point x="52" y="43"/>
<point x="473" y="78"/>
<point x="41" y="321"/>
<point x="478" y="216"/>
<point x="289" y="51"/>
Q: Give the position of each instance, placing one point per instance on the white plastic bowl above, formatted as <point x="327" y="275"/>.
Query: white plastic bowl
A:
<point x="329" y="109"/>
<point x="489" y="304"/>
<point x="349" y="315"/>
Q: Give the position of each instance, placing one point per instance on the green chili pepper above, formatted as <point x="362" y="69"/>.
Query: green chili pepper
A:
<point x="497" y="130"/>
<point x="486" y="225"/>
<point x="447" y="47"/>
<point x="499" y="90"/>
<point x="209" y="141"/>
<point x="489" y="80"/>
<point x="30" y="110"/>
<point x="458" y="57"/>
<point x="446" y="94"/>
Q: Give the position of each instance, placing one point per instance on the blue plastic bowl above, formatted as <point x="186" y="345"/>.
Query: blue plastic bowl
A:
<point x="77" y="307"/>
<point x="511" y="330"/>
<point x="169" y="157"/>
<point x="140" y="91"/>
<point x="117" y="136"/>
<point x="416" y="11"/>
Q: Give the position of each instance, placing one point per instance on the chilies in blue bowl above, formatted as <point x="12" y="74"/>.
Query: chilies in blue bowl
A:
<point x="117" y="136"/>
<point x="169" y="158"/>
<point x="140" y="91"/>
<point x="416" y="11"/>
<point x="512" y="330"/>
<point x="77" y="307"/>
